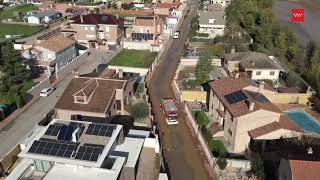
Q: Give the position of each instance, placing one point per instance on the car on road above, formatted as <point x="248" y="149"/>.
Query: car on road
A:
<point x="176" y="35"/>
<point x="46" y="91"/>
<point x="170" y="110"/>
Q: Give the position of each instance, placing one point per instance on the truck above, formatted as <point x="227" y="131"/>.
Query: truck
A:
<point x="170" y="110"/>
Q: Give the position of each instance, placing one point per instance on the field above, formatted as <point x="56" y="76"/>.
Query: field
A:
<point x="134" y="58"/>
<point x="17" y="29"/>
<point x="10" y="12"/>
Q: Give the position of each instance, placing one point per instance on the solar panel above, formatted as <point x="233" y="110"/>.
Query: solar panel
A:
<point x="100" y="130"/>
<point x="89" y="152"/>
<point x="142" y="36"/>
<point x="53" y="129"/>
<point x="53" y="148"/>
<point x="235" y="97"/>
<point x="62" y="133"/>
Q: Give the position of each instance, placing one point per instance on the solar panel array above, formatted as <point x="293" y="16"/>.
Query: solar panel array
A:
<point x="53" y="129"/>
<point x="60" y="149"/>
<point x="100" y="130"/>
<point x="89" y="152"/>
<point x="142" y="36"/>
<point x="236" y="97"/>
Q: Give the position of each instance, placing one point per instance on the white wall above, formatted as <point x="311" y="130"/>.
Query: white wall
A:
<point x="265" y="74"/>
<point x="141" y="71"/>
<point x="33" y="20"/>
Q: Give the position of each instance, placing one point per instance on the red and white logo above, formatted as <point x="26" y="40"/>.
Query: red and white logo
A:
<point x="297" y="15"/>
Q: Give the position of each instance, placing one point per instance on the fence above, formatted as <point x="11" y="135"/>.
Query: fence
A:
<point x="231" y="163"/>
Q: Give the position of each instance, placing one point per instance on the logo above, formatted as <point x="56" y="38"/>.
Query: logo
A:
<point x="297" y="15"/>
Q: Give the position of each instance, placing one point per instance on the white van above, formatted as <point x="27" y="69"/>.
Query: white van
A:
<point x="176" y="35"/>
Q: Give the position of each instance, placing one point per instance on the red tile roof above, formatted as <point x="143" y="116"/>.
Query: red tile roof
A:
<point x="305" y="170"/>
<point x="229" y="85"/>
<point x="284" y="123"/>
<point x="97" y="19"/>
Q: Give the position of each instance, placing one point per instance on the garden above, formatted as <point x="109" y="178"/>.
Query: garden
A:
<point x="134" y="58"/>
<point x="17" y="12"/>
<point x="18" y="30"/>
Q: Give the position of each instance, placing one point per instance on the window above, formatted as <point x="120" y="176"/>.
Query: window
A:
<point x="258" y="73"/>
<point x="230" y="132"/>
<point x="212" y="21"/>
<point x="118" y="105"/>
<point x="272" y="73"/>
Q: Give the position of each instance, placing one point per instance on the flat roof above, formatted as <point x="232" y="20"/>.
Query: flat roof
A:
<point x="61" y="171"/>
<point x="133" y="147"/>
<point x="92" y="146"/>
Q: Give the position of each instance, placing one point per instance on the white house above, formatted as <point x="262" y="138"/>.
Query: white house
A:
<point x="258" y="66"/>
<point x="43" y="17"/>
<point x="212" y="23"/>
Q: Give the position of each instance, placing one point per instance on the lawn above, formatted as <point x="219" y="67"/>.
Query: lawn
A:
<point x="9" y="97"/>
<point x="18" y="29"/>
<point x="134" y="58"/>
<point x="201" y="118"/>
<point x="9" y="13"/>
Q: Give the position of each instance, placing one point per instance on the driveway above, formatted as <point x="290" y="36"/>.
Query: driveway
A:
<point x="11" y="134"/>
<point x="181" y="150"/>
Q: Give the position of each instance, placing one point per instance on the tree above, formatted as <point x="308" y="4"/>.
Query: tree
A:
<point x="222" y="162"/>
<point x="139" y="110"/>
<point x="126" y="6"/>
<point x="314" y="76"/>
<point x="281" y="44"/>
<point x="19" y="100"/>
<point x="203" y="69"/>
<point x="310" y="51"/>
<point x="257" y="167"/>
<point x="114" y="6"/>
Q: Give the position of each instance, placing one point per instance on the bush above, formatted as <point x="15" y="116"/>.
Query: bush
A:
<point x="217" y="146"/>
<point x="202" y="35"/>
<point x="139" y="110"/>
<point x="222" y="162"/>
<point x="19" y="101"/>
<point x="201" y="118"/>
<point x="257" y="167"/>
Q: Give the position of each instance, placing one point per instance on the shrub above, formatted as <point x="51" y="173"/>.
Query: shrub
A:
<point x="202" y="35"/>
<point x="222" y="162"/>
<point x="19" y="101"/>
<point x="139" y="110"/>
<point x="257" y="167"/>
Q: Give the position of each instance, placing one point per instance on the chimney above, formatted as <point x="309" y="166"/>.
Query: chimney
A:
<point x="120" y="71"/>
<point x="237" y="75"/>
<point x="81" y="18"/>
<point x="261" y="86"/>
<point x="233" y="50"/>
<point x="251" y="106"/>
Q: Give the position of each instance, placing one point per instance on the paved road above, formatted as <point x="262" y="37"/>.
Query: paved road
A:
<point x="181" y="151"/>
<point x="11" y="134"/>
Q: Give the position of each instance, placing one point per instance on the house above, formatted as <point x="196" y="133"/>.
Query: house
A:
<point x="82" y="150"/>
<point x="237" y="106"/>
<point x="98" y="96"/>
<point x="212" y="23"/>
<point x="44" y="17"/>
<point x="258" y="66"/>
<point x="96" y="30"/>
<point x="54" y="53"/>
<point x="299" y="170"/>
<point x="165" y="8"/>
<point x="224" y="3"/>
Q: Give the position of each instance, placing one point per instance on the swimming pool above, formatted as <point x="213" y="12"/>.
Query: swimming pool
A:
<point x="305" y="121"/>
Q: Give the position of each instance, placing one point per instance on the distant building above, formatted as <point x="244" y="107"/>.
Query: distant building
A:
<point x="258" y="66"/>
<point x="82" y="150"/>
<point x="238" y="107"/>
<point x="96" y="30"/>
<point x="44" y="17"/>
<point x="95" y="97"/>
<point x="212" y="23"/>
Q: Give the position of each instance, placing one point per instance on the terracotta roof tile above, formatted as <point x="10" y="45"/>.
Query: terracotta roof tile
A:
<point x="100" y="98"/>
<point x="97" y="19"/>
<point x="144" y="21"/>
<point x="57" y="43"/>
<point x="229" y="85"/>
<point x="305" y="170"/>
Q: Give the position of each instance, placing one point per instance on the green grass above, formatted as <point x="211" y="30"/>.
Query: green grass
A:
<point x="201" y="118"/>
<point x="9" y="97"/>
<point x="17" y="29"/>
<point x="10" y="12"/>
<point x="134" y="58"/>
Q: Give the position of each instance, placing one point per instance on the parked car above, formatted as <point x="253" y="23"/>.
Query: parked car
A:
<point x="176" y="35"/>
<point x="46" y="91"/>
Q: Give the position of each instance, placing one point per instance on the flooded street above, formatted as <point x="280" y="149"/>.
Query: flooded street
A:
<point x="309" y="30"/>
